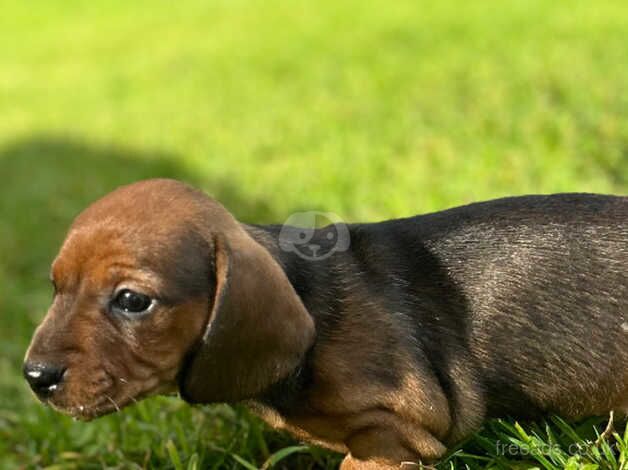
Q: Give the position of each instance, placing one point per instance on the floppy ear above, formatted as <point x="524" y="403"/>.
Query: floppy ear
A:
<point x="258" y="330"/>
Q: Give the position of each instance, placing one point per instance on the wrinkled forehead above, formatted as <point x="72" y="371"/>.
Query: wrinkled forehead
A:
<point x="110" y="251"/>
<point x="85" y="248"/>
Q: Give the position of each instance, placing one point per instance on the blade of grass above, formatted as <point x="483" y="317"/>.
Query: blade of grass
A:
<point x="244" y="463"/>
<point x="282" y="454"/>
<point x="174" y="455"/>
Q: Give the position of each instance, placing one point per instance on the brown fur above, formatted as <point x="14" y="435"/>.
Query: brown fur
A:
<point x="346" y="371"/>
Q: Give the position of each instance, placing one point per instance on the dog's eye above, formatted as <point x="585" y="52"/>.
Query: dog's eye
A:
<point x="128" y="301"/>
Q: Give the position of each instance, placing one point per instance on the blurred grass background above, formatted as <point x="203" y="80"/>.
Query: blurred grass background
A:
<point x="371" y="110"/>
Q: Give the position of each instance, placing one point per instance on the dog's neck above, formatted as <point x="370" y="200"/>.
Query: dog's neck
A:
<point x="314" y="280"/>
<point x="317" y="284"/>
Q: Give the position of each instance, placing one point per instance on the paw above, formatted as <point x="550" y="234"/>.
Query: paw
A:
<point x="350" y="463"/>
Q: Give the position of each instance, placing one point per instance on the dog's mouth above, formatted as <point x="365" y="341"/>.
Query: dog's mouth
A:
<point x="105" y="403"/>
<point x="90" y="411"/>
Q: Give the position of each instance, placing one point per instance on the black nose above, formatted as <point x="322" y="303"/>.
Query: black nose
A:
<point x="44" y="379"/>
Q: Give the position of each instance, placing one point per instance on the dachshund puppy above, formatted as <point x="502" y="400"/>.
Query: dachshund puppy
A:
<point x="388" y="345"/>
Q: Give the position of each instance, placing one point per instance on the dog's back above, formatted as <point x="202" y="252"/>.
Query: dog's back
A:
<point x="534" y="301"/>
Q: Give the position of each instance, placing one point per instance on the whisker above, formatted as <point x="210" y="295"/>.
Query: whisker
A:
<point x="113" y="402"/>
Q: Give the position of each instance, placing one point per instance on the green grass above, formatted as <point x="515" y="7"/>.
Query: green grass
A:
<point x="371" y="110"/>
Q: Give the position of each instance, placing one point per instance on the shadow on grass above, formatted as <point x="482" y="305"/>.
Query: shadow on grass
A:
<point x="46" y="182"/>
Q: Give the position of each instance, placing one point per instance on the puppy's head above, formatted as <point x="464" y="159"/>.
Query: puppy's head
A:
<point x="159" y="288"/>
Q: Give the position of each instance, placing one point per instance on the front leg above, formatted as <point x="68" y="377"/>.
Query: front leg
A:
<point x="382" y="448"/>
<point x="351" y="463"/>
